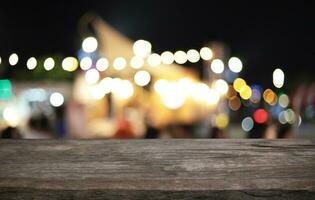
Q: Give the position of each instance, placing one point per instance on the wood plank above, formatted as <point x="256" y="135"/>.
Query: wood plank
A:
<point x="157" y="169"/>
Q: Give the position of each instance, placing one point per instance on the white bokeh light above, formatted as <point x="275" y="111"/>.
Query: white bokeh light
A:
<point x="193" y="56"/>
<point x="89" y="44"/>
<point x="56" y="99"/>
<point x="142" y="78"/>
<point x="180" y="57"/>
<point x="206" y="53"/>
<point x="92" y="76"/>
<point x="221" y="86"/>
<point x="142" y="48"/>
<point x="102" y="64"/>
<point x="217" y="66"/>
<point x="154" y="60"/>
<point x="136" y="62"/>
<point x="31" y="63"/>
<point x="119" y="63"/>
<point x="49" y="64"/>
<point x="278" y="78"/>
<point x="86" y="63"/>
<point x="235" y="64"/>
<point x="167" y="57"/>
<point x="13" y="59"/>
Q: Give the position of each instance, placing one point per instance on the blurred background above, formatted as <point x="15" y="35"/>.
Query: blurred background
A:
<point x="157" y="69"/>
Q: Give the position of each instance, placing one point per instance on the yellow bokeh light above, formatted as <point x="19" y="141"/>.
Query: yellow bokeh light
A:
<point x="245" y="92"/>
<point x="238" y="84"/>
<point x="11" y="116"/>
<point x="206" y="53"/>
<point x="270" y="97"/>
<point x="70" y="64"/>
<point x="222" y="120"/>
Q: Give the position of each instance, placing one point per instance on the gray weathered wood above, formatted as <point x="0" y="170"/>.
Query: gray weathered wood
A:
<point x="157" y="169"/>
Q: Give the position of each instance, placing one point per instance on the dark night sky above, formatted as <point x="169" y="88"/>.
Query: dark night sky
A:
<point x="264" y="34"/>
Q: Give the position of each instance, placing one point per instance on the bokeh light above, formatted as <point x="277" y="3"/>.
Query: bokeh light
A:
<point x="136" y="62"/>
<point x="49" y="64"/>
<point x="92" y="76"/>
<point x="102" y="64"/>
<point x="256" y="94"/>
<point x="142" y="78"/>
<point x="122" y="89"/>
<point x="235" y="103"/>
<point x="172" y="96"/>
<point x="56" y="99"/>
<point x="260" y="116"/>
<point x="119" y="63"/>
<point x="154" y="60"/>
<point x="222" y="120"/>
<point x="245" y="92"/>
<point x="106" y="85"/>
<point x="89" y="44"/>
<point x="217" y="66"/>
<point x="142" y="48"/>
<point x="247" y="124"/>
<point x="284" y="100"/>
<point x="11" y="116"/>
<point x="167" y="57"/>
<point x="221" y="86"/>
<point x="13" y="59"/>
<point x="238" y="84"/>
<point x="193" y="56"/>
<point x="235" y="64"/>
<point x="70" y="64"/>
<point x="180" y="57"/>
<point x="86" y="63"/>
<point x="270" y="97"/>
<point x="31" y="63"/>
<point x="206" y="53"/>
<point x="278" y="78"/>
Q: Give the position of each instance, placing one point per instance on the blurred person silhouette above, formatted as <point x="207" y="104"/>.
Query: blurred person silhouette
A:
<point x="39" y="128"/>
<point x="258" y="131"/>
<point x="10" y="133"/>
<point x="60" y="124"/>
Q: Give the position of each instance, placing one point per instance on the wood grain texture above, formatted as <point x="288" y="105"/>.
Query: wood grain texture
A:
<point x="157" y="169"/>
